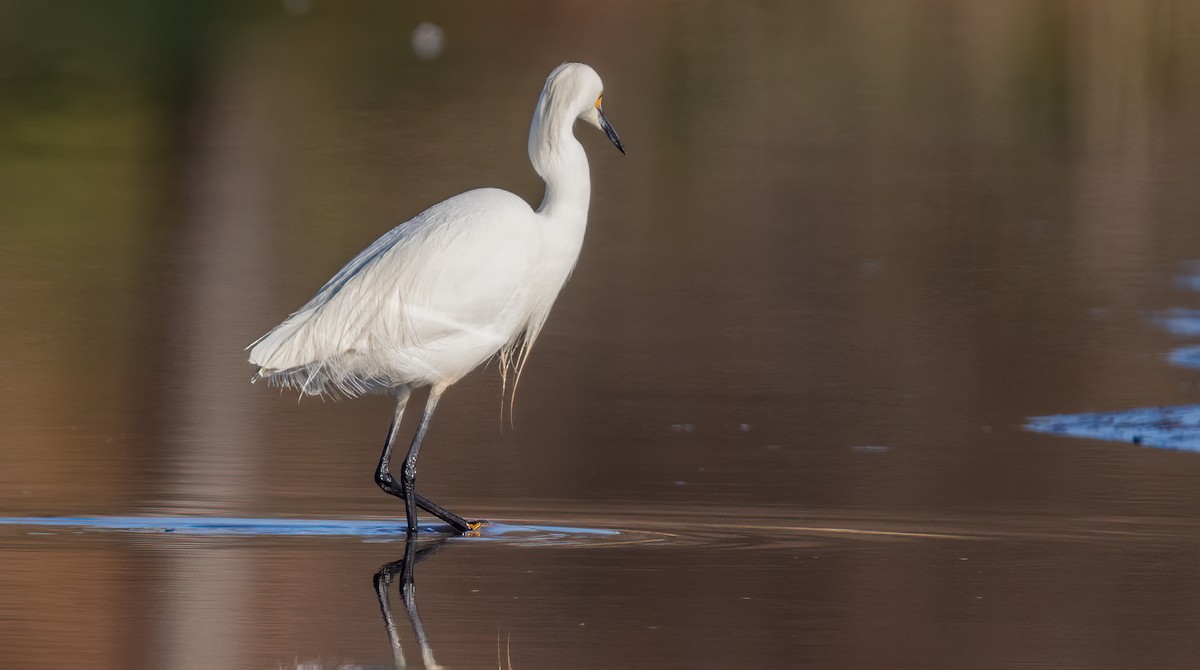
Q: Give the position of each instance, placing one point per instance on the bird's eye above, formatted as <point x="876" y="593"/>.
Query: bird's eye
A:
<point x="598" y="101"/>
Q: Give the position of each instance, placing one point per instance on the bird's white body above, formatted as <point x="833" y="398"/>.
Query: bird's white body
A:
<point x="468" y="278"/>
<point x="429" y="301"/>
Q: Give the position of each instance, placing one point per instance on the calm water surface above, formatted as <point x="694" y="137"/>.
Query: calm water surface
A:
<point x="777" y="419"/>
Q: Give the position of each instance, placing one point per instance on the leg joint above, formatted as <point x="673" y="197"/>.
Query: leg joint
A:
<point x="408" y="475"/>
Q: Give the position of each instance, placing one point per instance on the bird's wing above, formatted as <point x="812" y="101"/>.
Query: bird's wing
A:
<point x="455" y="269"/>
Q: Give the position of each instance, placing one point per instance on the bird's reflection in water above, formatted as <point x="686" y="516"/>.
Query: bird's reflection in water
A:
<point x="402" y="571"/>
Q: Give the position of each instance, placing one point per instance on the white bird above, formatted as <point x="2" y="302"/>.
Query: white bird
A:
<point x="469" y="278"/>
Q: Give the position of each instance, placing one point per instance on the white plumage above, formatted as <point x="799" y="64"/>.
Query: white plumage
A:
<point x="423" y="305"/>
<point x="468" y="278"/>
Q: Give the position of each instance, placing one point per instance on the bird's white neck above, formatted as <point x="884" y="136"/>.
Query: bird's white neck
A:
<point x="560" y="161"/>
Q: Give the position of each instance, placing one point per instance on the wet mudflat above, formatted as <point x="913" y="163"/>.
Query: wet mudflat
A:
<point x="849" y="374"/>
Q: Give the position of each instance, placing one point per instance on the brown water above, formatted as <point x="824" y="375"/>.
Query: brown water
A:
<point x="775" y="421"/>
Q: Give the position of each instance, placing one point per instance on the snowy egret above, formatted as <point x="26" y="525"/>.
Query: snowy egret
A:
<point x="469" y="278"/>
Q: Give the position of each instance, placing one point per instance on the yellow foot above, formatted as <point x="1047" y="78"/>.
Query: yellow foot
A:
<point x="475" y="525"/>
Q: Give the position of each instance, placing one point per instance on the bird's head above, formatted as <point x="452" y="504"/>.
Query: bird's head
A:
<point x="575" y="90"/>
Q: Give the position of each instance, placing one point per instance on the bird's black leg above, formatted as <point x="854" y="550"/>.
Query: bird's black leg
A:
<point x="408" y="475"/>
<point x="457" y="522"/>
<point x="383" y="474"/>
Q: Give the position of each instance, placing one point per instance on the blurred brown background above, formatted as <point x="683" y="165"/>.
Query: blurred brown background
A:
<point x="853" y="247"/>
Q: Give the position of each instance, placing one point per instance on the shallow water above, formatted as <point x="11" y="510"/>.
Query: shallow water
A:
<point x="677" y="591"/>
<point x="777" y="419"/>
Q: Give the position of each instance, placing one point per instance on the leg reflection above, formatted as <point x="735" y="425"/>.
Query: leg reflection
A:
<point x="403" y="569"/>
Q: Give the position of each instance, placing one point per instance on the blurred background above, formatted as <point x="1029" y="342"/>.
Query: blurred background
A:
<point x="853" y="248"/>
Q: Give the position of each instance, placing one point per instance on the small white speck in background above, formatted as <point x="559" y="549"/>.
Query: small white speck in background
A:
<point x="428" y="41"/>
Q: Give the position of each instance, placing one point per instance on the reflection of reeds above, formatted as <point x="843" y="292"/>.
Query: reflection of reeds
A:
<point x="507" y="651"/>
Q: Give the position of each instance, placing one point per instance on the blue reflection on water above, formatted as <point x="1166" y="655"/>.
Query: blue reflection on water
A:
<point x="290" y="527"/>
<point x="1187" y="357"/>
<point x="1179" y="322"/>
<point x="1176" y="427"/>
<point x="220" y="525"/>
<point x="1189" y="282"/>
<point x="1189" y="277"/>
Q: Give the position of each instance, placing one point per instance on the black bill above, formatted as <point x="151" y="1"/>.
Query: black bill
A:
<point x="612" y="134"/>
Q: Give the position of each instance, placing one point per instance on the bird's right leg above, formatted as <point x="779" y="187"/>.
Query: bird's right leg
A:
<point x="385" y="480"/>
<point x="383" y="473"/>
